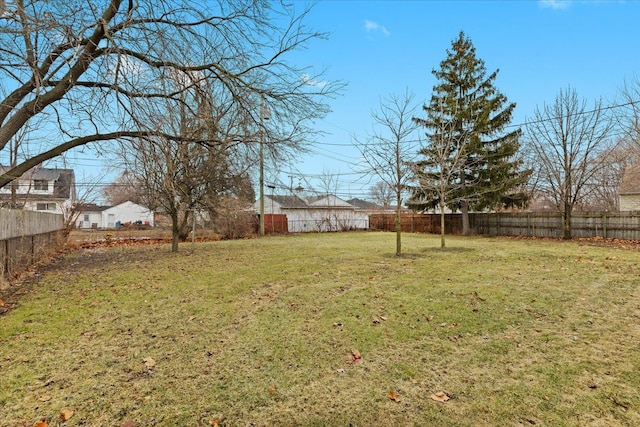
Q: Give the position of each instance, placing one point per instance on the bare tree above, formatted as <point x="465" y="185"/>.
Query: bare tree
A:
<point x="389" y="148"/>
<point x="601" y="192"/>
<point x="186" y="175"/>
<point x="570" y="143"/>
<point x="381" y="193"/>
<point x="84" y="68"/>
<point x="125" y="188"/>
<point x="628" y="117"/>
<point x="328" y="182"/>
<point x="444" y="155"/>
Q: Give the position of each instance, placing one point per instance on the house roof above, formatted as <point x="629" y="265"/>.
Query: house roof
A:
<point x="630" y="181"/>
<point x="363" y="204"/>
<point x="91" y="207"/>
<point x="289" y="201"/>
<point x="295" y="202"/>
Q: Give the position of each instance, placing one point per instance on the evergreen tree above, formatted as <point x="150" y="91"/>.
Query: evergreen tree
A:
<point x="468" y="112"/>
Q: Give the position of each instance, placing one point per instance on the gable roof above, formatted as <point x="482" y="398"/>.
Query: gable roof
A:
<point x="91" y="207"/>
<point x="363" y="204"/>
<point x="289" y="201"/>
<point x="295" y="202"/>
<point x="327" y="201"/>
<point x="630" y="181"/>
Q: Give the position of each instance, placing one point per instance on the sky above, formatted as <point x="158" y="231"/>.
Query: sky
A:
<point x="388" y="47"/>
<point x="380" y="48"/>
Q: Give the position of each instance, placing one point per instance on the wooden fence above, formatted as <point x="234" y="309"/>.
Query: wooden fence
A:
<point x="619" y="225"/>
<point x="25" y="237"/>
<point x="416" y="223"/>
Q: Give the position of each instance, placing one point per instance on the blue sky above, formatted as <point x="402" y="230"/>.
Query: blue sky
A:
<point x="383" y="47"/>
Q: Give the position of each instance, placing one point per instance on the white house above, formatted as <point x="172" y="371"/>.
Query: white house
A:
<point x="94" y="216"/>
<point x="41" y="189"/>
<point x="314" y="214"/>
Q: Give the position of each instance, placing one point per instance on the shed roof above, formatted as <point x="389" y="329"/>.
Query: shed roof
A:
<point x="363" y="204"/>
<point x="289" y="201"/>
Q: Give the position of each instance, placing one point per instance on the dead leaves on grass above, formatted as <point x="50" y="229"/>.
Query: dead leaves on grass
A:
<point x="440" y="396"/>
<point x="354" y="358"/>
<point x="149" y="363"/>
<point x="394" y="396"/>
<point x="66" y="414"/>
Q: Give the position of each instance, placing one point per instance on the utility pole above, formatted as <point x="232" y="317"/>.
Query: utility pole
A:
<point x="264" y="115"/>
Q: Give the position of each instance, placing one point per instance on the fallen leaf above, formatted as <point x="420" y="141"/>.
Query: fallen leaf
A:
<point x="394" y="396"/>
<point x="375" y="320"/>
<point x="440" y="396"/>
<point x="129" y="423"/>
<point x="44" y="398"/>
<point x="214" y="423"/>
<point x="149" y="362"/>
<point x="272" y="390"/>
<point x="1" y="303"/>
<point x="383" y="318"/>
<point x="355" y="357"/>
<point x="66" y="414"/>
<point x="41" y="424"/>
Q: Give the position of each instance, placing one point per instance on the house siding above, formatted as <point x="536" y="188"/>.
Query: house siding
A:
<point x="109" y="217"/>
<point x="629" y="202"/>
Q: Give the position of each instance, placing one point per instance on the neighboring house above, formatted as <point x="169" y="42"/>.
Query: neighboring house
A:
<point x="629" y="191"/>
<point x="94" y="216"/>
<point x="41" y="189"/>
<point x="321" y="213"/>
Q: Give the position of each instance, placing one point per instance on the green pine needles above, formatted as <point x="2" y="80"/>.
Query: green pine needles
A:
<point x="471" y="158"/>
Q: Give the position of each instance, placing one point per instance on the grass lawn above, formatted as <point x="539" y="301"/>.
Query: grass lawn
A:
<point x="328" y="329"/>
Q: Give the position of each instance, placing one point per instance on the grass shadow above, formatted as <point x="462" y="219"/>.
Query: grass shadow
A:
<point x="455" y="249"/>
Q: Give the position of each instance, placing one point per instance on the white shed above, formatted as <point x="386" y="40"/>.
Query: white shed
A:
<point x="316" y="214"/>
<point x="93" y="216"/>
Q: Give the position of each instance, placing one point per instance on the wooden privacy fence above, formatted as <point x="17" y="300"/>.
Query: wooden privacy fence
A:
<point x="25" y="237"/>
<point x="614" y="225"/>
<point x="416" y="223"/>
<point x="618" y="225"/>
<point x="275" y="224"/>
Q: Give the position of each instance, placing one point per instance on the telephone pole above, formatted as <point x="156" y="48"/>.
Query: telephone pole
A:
<point x="264" y="115"/>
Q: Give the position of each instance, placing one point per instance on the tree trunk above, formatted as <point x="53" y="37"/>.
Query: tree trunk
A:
<point x="442" y="229"/>
<point x="566" y="221"/>
<point x="398" y="229"/>
<point x="175" y="233"/>
<point x="465" y="217"/>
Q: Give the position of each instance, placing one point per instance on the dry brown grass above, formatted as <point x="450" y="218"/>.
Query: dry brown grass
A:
<point x="263" y="332"/>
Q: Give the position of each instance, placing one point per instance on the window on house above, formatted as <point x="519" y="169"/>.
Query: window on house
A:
<point x="46" y="206"/>
<point x="86" y="218"/>
<point x="41" y="184"/>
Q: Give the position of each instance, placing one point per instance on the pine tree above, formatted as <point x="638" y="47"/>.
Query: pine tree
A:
<point x="468" y="112"/>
